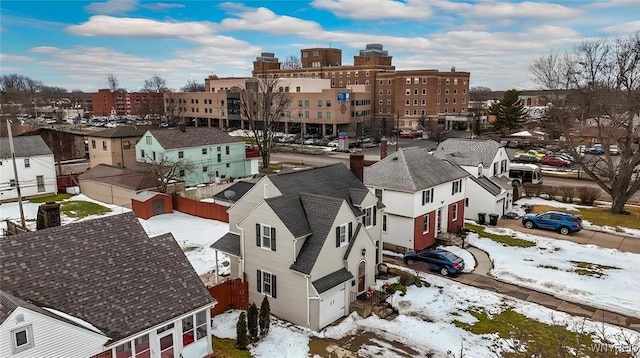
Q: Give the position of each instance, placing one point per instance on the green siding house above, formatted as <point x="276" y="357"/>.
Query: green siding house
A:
<point x="201" y="154"/>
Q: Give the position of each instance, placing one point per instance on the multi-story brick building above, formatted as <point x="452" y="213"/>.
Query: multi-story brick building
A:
<point x="122" y="103"/>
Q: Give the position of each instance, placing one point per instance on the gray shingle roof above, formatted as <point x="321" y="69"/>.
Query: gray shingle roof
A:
<point x="487" y="185"/>
<point x="502" y="181"/>
<point x="105" y="271"/>
<point x="174" y="138"/>
<point x="229" y="243"/>
<point x="121" y="132"/>
<point x="289" y="209"/>
<point x="239" y="188"/>
<point x="331" y="280"/>
<point x="411" y="169"/>
<point x="357" y="195"/>
<point x="320" y="212"/>
<point x="469" y="152"/>
<point x="25" y="146"/>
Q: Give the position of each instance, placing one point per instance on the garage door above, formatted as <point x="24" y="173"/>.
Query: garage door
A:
<point x="332" y="305"/>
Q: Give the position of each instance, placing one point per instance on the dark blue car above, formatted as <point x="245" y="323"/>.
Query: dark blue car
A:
<point x="564" y="223"/>
<point x="443" y="261"/>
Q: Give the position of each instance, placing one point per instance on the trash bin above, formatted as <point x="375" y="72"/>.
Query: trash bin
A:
<point x="527" y="208"/>
<point x="482" y="218"/>
<point x="493" y="219"/>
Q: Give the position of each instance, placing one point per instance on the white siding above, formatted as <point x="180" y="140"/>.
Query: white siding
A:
<point x="38" y="165"/>
<point x="481" y="201"/>
<point x="51" y="337"/>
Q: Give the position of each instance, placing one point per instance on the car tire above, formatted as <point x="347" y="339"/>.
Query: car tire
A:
<point x="529" y="224"/>
<point x="564" y="230"/>
<point x="444" y="271"/>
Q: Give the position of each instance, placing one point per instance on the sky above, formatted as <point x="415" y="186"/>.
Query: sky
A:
<point x="77" y="44"/>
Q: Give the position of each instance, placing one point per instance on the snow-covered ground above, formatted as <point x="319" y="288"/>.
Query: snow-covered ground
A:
<point x="425" y="324"/>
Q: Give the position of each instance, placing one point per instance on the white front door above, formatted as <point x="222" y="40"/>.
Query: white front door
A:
<point x="332" y="305"/>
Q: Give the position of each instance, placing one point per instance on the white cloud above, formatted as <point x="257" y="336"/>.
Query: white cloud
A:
<point x="13" y="58"/>
<point x="263" y="19"/>
<point x="111" y="7"/>
<point x="161" y="6"/>
<point x="101" y="25"/>
<point x="523" y="10"/>
<point x="376" y="9"/>
<point x="612" y="4"/>
<point x="624" y="28"/>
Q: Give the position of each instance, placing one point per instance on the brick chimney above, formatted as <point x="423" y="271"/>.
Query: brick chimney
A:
<point x="48" y="215"/>
<point x="356" y="164"/>
<point x="383" y="148"/>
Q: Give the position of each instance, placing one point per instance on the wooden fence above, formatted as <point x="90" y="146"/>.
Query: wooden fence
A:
<point x="201" y="208"/>
<point x="231" y="294"/>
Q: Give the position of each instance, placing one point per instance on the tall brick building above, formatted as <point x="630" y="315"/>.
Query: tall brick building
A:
<point x="122" y="103"/>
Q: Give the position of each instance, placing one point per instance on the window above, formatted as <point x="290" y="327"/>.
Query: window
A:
<point x="219" y="158"/>
<point x="425" y="224"/>
<point x="388" y="92"/>
<point x="266" y="283"/>
<point x="424" y="102"/>
<point x="204" y="169"/>
<point x="456" y="187"/>
<point x="306" y="103"/>
<point x="204" y="151"/>
<point x="408" y="80"/>
<point x="424" y="91"/>
<point x="194" y="328"/>
<point x="379" y="194"/>
<point x="407" y="91"/>
<point x="104" y="145"/>
<point x="226" y="150"/>
<point x="141" y="345"/>
<point x="328" y="115"/>
<point x="181" y="173"/>
<point x="299" y="103"/>
<point x="427" y="196"/>
<point x="319" y="103"/>
<point x="26" y="163"/>
<point x="22" y="339"/>
<point x="455" y="81"/>
<point x="454" y="212"/>
<point x="328" y="104"/>
<point x="370" y="216"/>
<point x="124" y="350"/>
<point x="415" y="91"/>
<point x="93" y="143"/>
<point x="142" y="153"/>
<point x="495" y="168"/>
<point x="180" y="154"/>
<point x="407" y="102"/>
<point x="126" y="144"/>
<point x="148" y="140"/>
<point x="266" y="237"/>
<point x="385" y="222"/>
<point x="343" y="232"/>
<point x="503" y="166"/>
<point x="40" y="183"/>
<point x="319" y="114"/>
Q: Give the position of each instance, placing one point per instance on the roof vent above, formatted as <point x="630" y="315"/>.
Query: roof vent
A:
<point x="453" y="68"/>
<point x="394" y="158"/>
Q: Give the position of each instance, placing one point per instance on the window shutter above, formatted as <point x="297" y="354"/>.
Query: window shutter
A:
<point x="338" y="236"/>
<point x="273" y="239"/>
<point x="350" y="231"/>
<point x="375" y="213"/>
<point x="259" y="280"/>
<point x="453" y="188"/>
<point x="258" y="235"/>
<point x="273" y="286"/>
<point x="424" y="197"/>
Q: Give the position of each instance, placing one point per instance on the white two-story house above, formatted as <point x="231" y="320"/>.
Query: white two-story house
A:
<point x="308" y="240"/>
<point x="489" y="188"/>
<point x="423" y="196"/>
<point x="35" y="165"/>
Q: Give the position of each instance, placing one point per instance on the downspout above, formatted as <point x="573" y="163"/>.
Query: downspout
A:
<point x="308" y="301"/>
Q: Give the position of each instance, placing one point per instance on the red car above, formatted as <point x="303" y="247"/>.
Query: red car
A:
<point x="554" y="161"/>
<point x="408" y="135"/>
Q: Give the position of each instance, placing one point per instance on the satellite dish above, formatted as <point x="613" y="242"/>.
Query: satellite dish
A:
<point x="229" y="194"/>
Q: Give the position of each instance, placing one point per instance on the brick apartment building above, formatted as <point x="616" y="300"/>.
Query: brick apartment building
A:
<point x="122" y="103"/>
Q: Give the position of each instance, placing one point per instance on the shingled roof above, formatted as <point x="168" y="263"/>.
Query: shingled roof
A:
<point x="468" y="152"/>
<point x="132" y="179"/>
<point x="105" y="271"/>
<point x="24" y="146"/>
<point x="174" y="138"/>
<point x="120" y="132"/>
<point x="412" y="169"/>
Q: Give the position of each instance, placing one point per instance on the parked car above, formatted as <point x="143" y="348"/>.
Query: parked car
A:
<point x="333" y="144"/>
<point x="525" y="158"/>
<point x="440" y="260"/>
<point x="613" y="149"/>
<point x="536" y="153"/>
<point x="596" y="149"/>
<point x="555" y="161"/>
<point x="564" y="223"/>
<point x="407" y="135"/>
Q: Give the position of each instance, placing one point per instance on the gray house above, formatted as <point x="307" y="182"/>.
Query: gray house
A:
<point x="308" y="240"/>
<point x="100" y="287"/>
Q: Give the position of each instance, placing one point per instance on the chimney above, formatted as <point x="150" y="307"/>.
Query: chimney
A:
<point x="383" y="148"/>
<point x="48" y="215"/>
<point x="356" y="164"/>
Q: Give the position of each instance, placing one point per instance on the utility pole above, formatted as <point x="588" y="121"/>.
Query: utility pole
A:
<point x="15" y="175"/>
<point x="397" y="129"/>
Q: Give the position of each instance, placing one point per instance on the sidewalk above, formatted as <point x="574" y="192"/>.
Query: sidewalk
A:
<point x="586" y="237"/>
<point x="481" y="278"/>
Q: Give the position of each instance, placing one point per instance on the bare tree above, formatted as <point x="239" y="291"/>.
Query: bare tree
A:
<point x="602" y="83"/>
<point x="113" y="82"/>
<point x="263" y="104"/>
<point x="166" y="170"/>
<point x="155" y="84"/>
<point x="193" y="86"/>
<point x="291" y="62"/>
